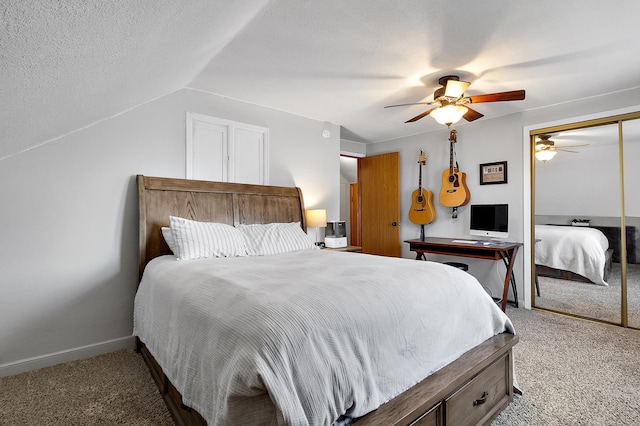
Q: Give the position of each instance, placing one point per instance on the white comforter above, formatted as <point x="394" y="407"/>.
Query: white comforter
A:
<point x="572" y="248"/>
<point x="304" y="337"/>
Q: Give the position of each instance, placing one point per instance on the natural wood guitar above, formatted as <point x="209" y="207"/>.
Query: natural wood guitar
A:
<point x="454" y="191"/>
<point x="422" y="210"/>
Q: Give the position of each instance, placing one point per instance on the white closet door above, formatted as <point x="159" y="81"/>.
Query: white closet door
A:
<point x="227" y="151"/>
<point x="207" y="158"/>
<point x="247" y="163"/>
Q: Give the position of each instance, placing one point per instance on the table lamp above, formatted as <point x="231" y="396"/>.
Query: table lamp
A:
<point x="316" y="218"/>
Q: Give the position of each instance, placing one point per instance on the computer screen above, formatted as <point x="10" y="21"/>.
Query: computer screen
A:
<point x="489" y="220"/>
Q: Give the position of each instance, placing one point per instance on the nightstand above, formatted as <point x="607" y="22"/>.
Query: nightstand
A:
<point x="354" y="249"/>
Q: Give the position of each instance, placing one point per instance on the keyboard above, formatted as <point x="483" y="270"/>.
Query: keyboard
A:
<point x="464" y="241"/>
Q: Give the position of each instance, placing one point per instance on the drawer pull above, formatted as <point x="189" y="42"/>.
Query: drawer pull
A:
<point x="482" y="399"/>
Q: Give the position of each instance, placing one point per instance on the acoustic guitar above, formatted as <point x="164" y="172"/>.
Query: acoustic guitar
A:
<point x="454" y="191"/>
<point x="422" y="210"/>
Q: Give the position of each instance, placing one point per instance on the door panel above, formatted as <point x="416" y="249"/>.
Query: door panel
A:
<point x="631" y="268"/>
<point x="379" y="182"/>
<point x="354" y="214"/>
<point x="582" y="182"/>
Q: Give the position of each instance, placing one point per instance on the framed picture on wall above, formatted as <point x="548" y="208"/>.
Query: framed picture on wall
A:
<point x="492" y="173"/>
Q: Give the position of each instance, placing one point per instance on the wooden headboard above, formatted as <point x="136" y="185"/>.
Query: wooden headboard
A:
<point x="223" y="202"/>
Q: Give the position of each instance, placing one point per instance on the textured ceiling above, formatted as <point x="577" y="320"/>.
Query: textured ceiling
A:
<point x="67" y="64"/>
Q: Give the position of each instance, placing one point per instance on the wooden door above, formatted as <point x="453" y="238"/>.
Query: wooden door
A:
<point x="379" y="182"/>
<point x="354" y="214"/>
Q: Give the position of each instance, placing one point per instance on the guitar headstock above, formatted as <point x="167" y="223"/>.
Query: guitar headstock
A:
<point x="423" y="158"/>
<point x="453" y="136"/>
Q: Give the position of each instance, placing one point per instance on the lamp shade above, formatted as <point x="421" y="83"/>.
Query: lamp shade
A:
<point x="448" y="114"/>
<point x="545" y="155"/>
<point x="316" y="218"/>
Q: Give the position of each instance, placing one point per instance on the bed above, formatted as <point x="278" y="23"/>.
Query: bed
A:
<point x="573" y="253"/>
<point x="369" y="384"/>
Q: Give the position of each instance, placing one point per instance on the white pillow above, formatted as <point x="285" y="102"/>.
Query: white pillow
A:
<point x="196" y="240"/>
<point x="168" y="237"/>
<point x="273" y="238"/>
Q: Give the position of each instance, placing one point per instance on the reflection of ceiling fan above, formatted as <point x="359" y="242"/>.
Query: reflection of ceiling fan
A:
<point x="451" y="105"/>
<point x="546" y="148"/>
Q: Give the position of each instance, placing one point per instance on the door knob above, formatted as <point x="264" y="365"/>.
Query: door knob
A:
<point x="394" y="223"/>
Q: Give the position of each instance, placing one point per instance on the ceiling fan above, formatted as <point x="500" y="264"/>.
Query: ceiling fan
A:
<point x="450" y="104"/>
<point x="546" y="148"/>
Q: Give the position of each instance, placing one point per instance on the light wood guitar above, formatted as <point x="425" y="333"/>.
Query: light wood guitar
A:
<point x="454" y="191"/>
<point x="422" y="210"/>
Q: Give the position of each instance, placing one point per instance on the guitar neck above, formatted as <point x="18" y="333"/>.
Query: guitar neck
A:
<point x="452" y="140"/>
<point x="450" y="156"/>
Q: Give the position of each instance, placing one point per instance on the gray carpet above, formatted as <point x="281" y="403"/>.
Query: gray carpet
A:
<point x="109" y="389"/>
<point x="593" y="301"/>
<point x="572" y="372"/>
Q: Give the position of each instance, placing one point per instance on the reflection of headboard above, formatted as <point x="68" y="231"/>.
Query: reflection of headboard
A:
<point x="231" y="203"/>
<point x="613" y="235"/>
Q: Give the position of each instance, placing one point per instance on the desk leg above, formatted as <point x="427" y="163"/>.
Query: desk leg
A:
<point x="505" y="259"/>
<point x="508" y="278"/>
<point x="420" y="255"/>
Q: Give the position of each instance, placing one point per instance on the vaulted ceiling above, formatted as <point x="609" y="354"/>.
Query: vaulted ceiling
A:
<point x="67" y="64"/>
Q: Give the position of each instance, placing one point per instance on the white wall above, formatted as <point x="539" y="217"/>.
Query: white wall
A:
<point x="355" y="149"/>
<point x="584" y="184"/>
<point x="587" y="184"/>
<point x="69" y="219"/>
<point x="483" y="141"/>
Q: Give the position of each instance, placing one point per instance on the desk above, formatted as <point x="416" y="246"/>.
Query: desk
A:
<point x="506" y="251"/>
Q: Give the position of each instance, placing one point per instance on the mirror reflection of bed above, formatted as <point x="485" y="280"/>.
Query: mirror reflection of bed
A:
<point x="578" y="226"/>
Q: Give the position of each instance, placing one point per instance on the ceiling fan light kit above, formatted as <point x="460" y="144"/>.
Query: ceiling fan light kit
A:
<point x="545" y="155"/>
<point x="449" y="114"/>
<point x="546" y="149"/>
<point x="449" y="102"/>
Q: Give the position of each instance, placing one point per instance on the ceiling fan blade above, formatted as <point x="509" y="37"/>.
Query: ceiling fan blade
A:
<point x="419" y="116"/>
<point x="566" y="150"/>
<point x="573" y="146"/>
<point x="413" y="103"/>
<point x="455" y="89"/>
<point x="514" y="95"/>
<point x="472" y="115"/>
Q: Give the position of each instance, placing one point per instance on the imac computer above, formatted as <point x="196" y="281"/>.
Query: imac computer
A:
<point x="489" y="220"/>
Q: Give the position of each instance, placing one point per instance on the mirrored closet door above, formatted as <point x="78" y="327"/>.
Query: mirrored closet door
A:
<point x="631" y="153"/>
<point x="581" y="263"/>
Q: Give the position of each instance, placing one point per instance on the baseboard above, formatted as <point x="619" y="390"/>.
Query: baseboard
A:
<point x="60" y="357"/>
